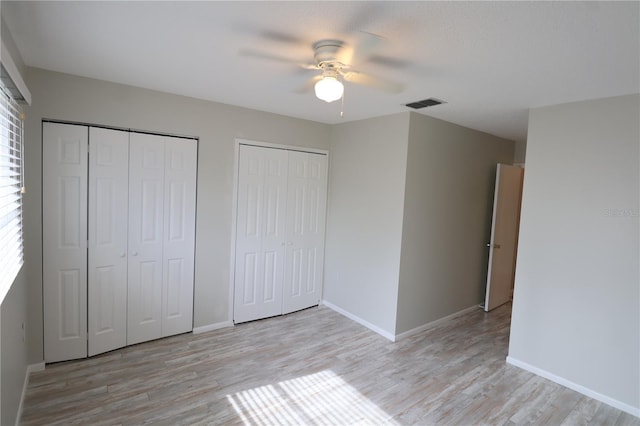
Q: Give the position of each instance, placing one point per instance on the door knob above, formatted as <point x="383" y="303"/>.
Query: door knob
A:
<point x="135" y="253"/>
<point x="494" y="246"/>
<point x="123" y="254"/>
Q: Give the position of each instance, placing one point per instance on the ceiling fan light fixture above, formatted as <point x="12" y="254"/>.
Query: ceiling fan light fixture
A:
<point x="329" y="89"/>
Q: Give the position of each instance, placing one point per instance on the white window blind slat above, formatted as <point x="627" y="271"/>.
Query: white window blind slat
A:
<point x="7" y="193"/>
<point x="8" y="219"/>
<point x="11" y="185"/>
<point x="11" y="240"/>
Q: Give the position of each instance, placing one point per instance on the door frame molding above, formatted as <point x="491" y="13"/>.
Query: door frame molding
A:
<point x="123" y="129"/>
<point x="234" y="202"/>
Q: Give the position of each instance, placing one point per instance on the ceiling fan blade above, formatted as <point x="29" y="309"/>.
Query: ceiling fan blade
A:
<point x="367" y="43"/>
<point x="308" y="86"/>
<point x="269" y="56"/>
<point x="371" y="81"/>
<point x="366" y="14"/>
<point x="389" y="62"/>
<point x="281" y="37"/>
<point x="360" y="50"/>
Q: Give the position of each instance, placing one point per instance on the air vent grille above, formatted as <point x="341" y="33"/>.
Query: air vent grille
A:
<point x="425" y="103"/>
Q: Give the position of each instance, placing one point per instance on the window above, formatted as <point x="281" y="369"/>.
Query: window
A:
<point x="11" y="189"/>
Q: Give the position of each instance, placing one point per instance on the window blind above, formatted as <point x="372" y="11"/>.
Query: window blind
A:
<point x="11" y="189"/>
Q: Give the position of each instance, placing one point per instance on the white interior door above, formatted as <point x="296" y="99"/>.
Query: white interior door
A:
<point x="179" y="235"/>
<point x="260" y="233"/>
<point x="504" y="236"/>
<point x="146" y="224"/>
<point x="108" y="206"/>
<point x="64" y="241"/>
<point x="306" y="209"/>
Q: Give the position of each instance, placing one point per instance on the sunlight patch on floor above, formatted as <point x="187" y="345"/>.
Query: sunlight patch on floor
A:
<point x="323" y="398"/>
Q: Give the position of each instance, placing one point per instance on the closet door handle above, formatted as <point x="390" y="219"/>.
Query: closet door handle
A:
<point x="123" y="254"/>
<point x="135" y="253"/>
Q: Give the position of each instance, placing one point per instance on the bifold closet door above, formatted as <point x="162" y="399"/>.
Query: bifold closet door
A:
<point x="108" y="206"/>
<point x="118" y="238"/>
<point x="64" y="240"/>
<point x="260" y="233"/>
<point x="146" y="223"/>
<point x="162" y="193"/>
<point x="281" y="206"/>
<point x="178" y="256"/>
<point x="306" y="210"/>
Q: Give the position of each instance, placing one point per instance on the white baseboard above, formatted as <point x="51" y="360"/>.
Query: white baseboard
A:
<point x="211" y="327"/>
<point x="436" y="322"/>
<point x="634" y="411"/>
<point x="30" y="369"/>
<point x="360" y="321"/>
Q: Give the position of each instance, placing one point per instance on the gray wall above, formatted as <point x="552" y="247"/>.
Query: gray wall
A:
<point x="520" y="153"/>
<point x="10" y="45"/>
<point x="14" y="348"/>
<point x="364" y="217"/>
<point x="65" y="97"/>
<point x="576" y="311"/>
<point x="447" y="219"/>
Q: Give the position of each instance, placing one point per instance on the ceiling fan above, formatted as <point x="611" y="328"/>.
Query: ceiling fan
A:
<point x="333" y="59"/>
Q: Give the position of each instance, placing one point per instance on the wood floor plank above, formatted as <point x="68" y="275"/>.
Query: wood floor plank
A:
<point x="311" y="367"/>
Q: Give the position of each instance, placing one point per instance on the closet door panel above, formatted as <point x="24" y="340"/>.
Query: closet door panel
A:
<point x="260" y="233"/>
<point x="64" y="241"/>
<point x="108" y="206"/>
<point x="179" y="235"/>
<point x="306" y="211"/>
<point x="146" y="224"/>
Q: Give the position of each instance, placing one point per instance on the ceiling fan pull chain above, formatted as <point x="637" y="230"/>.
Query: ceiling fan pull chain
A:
<point x="342" y="106"/>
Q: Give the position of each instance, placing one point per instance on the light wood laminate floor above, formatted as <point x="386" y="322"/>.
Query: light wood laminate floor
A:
<point x="312" y="367"/>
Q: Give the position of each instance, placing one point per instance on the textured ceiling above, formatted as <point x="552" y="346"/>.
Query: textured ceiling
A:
<point x="491" y="61"/>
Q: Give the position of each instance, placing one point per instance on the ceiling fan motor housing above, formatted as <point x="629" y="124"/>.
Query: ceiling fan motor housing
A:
<point x="326" y="53"/>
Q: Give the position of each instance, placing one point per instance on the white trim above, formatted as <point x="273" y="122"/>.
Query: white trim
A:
<point x="436" y="322"/>
<point x="211" y="327"/>
<point x="234" y="216"/>
<point x="240" y="141"/>
<point x="634" y="411"/>
<point x="30" y="369"/>
<point x="14" y="73"/>
<point x="360" y="321"/>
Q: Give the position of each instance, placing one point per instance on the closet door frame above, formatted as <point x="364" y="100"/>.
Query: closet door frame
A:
<point x="234" y="213"/>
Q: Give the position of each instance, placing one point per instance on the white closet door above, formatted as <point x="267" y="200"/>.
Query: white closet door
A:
<point x="260" y="233"/>
<point x="108" y="206"/>
<point x="146" y="223"/>
<point x="64" y="241"/>
<point x="306" y="209"/>
<point x="179" y="235"/>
